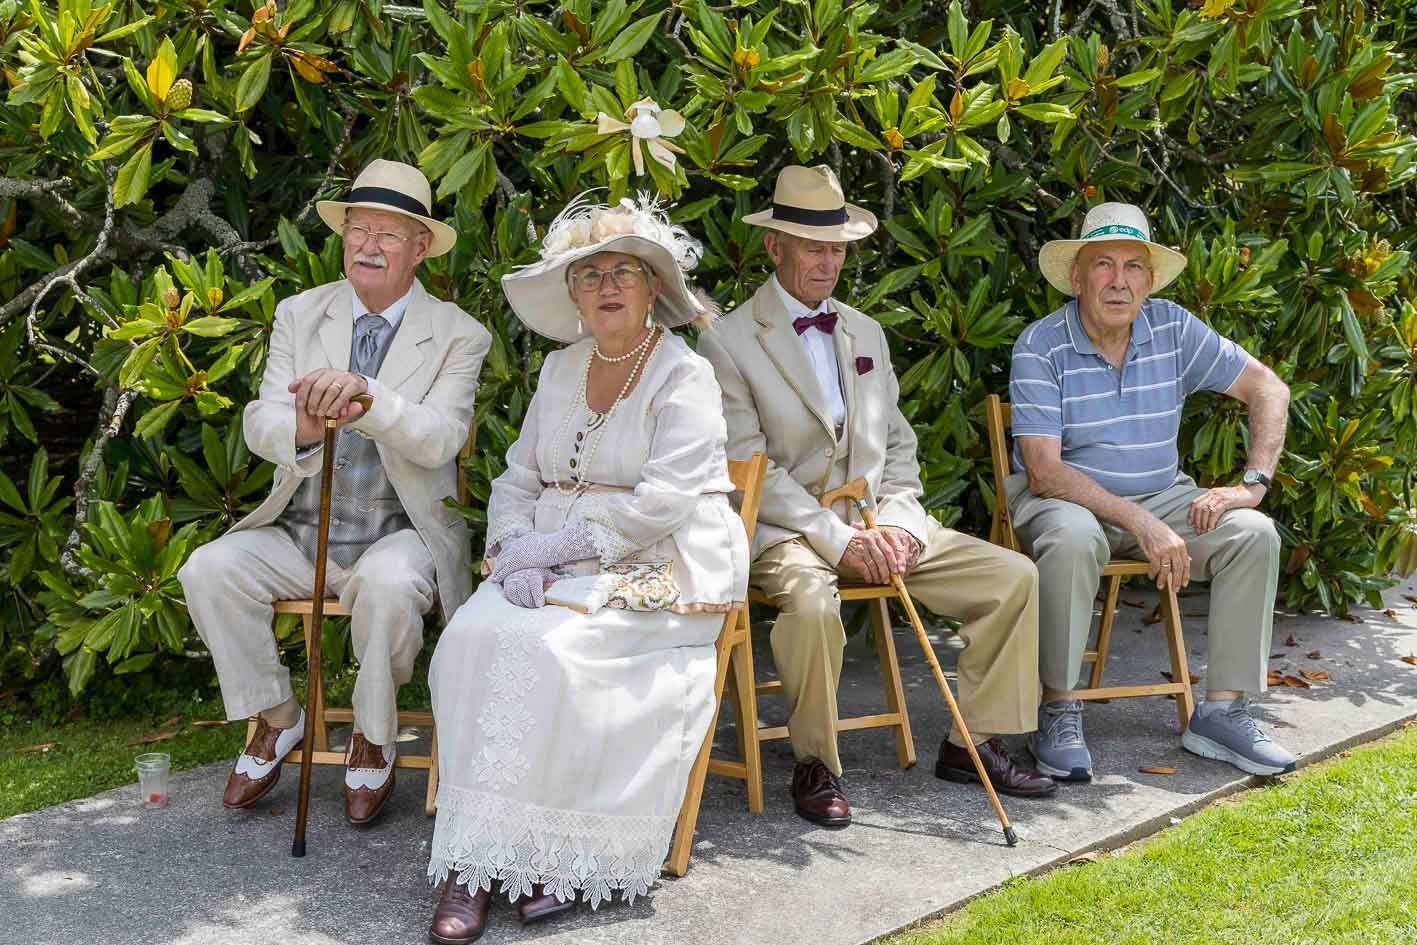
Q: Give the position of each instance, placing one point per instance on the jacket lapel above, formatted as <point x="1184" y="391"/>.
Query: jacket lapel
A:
<point x="337" y="329"/>
<point x="406" y="352"/>
<point x="785" y="350"/>
<point x="844" y="343"/>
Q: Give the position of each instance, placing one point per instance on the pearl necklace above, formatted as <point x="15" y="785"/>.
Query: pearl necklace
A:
<point x="596" y="352"/>
<point x="577" y="475"/>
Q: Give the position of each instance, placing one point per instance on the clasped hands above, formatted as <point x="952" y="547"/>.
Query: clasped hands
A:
<point x="873" y="555"/>
<point x="325" y="394"/>
<point x="523" y="566"/>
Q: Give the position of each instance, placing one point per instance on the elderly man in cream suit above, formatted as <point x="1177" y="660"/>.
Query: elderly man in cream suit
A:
<point x="394" y="548"/>
<point x="809" y="380"/>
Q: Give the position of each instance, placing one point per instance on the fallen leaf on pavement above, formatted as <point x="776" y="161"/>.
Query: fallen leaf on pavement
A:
<point x="1087" y="857"/>
<point x="1157" y="769"/>
<point x="1412" y="598"/>
<point x="1390" y="613"/>
<point x="1295" y="682"/>
<point x="1166" y="673"/>
<point x="42" y="746"/>
<point x="1276" y="678"/>
<point x="1291" y="641"/>
<point x="1153" y="617"/>
<point x="1315" y="655"/>
<point x="277" y="811"/>
<point x="1410" y="658"/>
<point x="1277" y="656"/>
<point x="1133" y="603"/>
<point x="1315" y="675"/>
<point x="1353" y="618"/>
<point x="151" y="737"/>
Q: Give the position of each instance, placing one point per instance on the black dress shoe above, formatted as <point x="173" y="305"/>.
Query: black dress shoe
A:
<point x="954" y="764"/>
<point x="818" y="795"/>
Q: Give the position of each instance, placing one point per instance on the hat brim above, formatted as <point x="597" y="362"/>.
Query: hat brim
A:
<point x="333" y="212"/>
<point x="540" y="298"/>
<point x="1055" y="261"/>
<point x="860" y="223"/>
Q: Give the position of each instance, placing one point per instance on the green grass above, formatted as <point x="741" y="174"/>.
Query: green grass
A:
<point x="1326" y="856"/>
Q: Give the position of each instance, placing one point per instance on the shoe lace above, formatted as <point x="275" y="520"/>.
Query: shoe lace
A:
<point x="1239" y="715"/>
<point x="1064" y="727"/>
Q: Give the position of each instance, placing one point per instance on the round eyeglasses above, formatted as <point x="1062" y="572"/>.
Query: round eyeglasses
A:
<point x="625" y="277"/>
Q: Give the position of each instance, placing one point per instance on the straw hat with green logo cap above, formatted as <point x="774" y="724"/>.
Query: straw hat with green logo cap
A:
<point x="1104" y="223"/>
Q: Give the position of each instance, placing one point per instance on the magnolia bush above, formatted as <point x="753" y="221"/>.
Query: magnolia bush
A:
<point x="161" y="165"/>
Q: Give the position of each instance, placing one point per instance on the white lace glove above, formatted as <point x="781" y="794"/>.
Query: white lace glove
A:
<point x="544" y="550"/>
<point x="527" y="587"/>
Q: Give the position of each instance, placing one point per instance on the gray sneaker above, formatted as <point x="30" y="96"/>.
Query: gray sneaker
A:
<point x="1232" y="735"/>
<point x="1058" y="746"/>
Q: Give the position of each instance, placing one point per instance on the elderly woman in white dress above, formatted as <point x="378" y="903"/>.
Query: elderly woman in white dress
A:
<point x="567" y="730"/>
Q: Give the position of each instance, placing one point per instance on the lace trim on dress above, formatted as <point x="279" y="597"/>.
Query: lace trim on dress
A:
<point x="506" y="526"/>
<point x="610" y="543"/>
<point x="481" y="837"/>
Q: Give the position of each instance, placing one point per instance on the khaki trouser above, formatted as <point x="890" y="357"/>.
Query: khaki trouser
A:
<point x="993" y="590"/>
<point x="1239" y="557"/>
<point x="231" y="583"/>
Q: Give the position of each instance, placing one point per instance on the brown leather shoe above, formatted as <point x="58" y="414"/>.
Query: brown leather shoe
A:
<point x="541" y="905"/>
<point x="819" y="796"/>
<point x="257" y="768"/>
<point x="365" y="765"/>
<point x="461" y="916"/>
<point x="955" y="764"/>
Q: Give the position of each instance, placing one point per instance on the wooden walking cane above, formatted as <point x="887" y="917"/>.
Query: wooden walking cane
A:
<point x="313" y="681"/>
<point x="855" y="490"/>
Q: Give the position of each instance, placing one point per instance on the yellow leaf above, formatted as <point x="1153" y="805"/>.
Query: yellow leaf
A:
<point x="1214" y="9"/>
<point x="956" y="106"/>
<point x="1017" y="89"/>
<point x="162" y="71"/>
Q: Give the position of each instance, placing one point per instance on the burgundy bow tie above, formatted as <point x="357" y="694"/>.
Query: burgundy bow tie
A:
<point x="823" y="321"/>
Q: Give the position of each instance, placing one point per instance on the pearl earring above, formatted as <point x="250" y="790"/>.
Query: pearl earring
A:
<point x="579" y="329"/>
<point x="649" y="317"/>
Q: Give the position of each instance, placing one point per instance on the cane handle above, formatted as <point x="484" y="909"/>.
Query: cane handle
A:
<point x="855" y="490"/>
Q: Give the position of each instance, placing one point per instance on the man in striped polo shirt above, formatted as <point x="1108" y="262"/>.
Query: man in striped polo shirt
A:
<point x="1097" y="390"/>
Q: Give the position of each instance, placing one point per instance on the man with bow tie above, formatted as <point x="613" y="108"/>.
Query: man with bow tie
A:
<point x="808" y="379"/>
<point x="394" y="549"/>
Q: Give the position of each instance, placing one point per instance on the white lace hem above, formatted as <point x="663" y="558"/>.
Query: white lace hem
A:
<point x="506" y="526"/>
<point x="481" y="837"/>
<point x="611" y="545"/>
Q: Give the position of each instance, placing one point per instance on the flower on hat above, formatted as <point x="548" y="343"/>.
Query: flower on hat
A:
<point x="583" y="224"/>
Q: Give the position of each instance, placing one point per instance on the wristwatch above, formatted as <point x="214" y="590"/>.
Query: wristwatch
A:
<point x="1254" y="477"/>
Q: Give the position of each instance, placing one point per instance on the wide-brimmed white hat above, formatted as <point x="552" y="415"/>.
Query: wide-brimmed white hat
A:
<point x="396" y="188"/>
<point x="809" y="202"/>
<point x="541" y="299"/>
<point x="1104" y="222"/>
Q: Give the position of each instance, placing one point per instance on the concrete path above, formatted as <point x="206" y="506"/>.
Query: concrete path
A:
<point x="105" y="870"/>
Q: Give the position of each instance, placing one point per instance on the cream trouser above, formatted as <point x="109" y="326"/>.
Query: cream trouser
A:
<point x="993" y="590"/>
<point x="231" y="583"/>
<point x="1239" y="557"/>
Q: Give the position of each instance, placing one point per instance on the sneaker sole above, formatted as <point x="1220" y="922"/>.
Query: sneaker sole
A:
<point x="1060" y="774"/>
<point x="1209" y="748"/>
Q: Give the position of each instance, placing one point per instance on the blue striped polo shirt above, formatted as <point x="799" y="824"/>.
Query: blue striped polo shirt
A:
<point x="1118" y="426"/>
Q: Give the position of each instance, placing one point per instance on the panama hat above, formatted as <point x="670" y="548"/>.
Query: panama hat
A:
<point x="808" y="202"/>
<point x="396" y="188"/>
<point x="538" y="292"/>
<point x="1105" y="222"/>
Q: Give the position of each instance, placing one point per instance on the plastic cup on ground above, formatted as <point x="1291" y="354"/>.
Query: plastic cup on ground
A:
<point x="153" y="769"/>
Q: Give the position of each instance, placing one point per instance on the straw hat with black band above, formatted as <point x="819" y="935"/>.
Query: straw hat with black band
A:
<point x="393" y="187"/>
<point x="809" y="202"/>
<point x="1105" y="223"/>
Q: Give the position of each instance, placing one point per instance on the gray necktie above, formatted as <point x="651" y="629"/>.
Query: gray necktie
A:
<point x="368" y="338"/>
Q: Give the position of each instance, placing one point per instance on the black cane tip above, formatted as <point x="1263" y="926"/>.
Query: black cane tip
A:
<point x="1010" y="837"/>
<point x="297" y="848"/>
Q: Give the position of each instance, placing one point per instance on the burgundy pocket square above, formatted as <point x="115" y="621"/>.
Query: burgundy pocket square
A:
<point x="864" y="365"/>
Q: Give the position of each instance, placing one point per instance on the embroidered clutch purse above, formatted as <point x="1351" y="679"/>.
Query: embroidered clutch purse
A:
<point x="639" y="586"/>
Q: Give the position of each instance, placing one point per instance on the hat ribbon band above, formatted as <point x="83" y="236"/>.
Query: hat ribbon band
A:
<point x="1118" y="229"/>
<point x="781" y="211"/>
<point x="387" y="196"/>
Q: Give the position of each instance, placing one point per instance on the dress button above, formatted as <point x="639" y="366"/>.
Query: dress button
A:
<point x="829" y="452"/>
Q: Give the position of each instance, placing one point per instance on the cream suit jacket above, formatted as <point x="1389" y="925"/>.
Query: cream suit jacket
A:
<point x="772" y="402"/>
<point x="423" y="402"/>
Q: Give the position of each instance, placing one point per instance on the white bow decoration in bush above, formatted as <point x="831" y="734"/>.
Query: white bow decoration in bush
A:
<point x="648" y="123"/>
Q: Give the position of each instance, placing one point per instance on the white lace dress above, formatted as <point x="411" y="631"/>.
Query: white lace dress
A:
<point x="565" y="740"/>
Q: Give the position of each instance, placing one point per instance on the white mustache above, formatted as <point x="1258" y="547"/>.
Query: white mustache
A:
<point x="370" y="259"/>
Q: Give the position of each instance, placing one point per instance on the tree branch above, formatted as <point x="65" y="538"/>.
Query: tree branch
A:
<point x="115" y="408"/>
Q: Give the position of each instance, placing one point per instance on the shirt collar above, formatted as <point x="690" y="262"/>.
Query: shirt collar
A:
<point x="393" y="314"/>
<point x="795" y="308"/>
<point x="1077" y="336"/>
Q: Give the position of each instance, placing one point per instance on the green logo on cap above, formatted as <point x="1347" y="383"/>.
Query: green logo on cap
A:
<point x="1117" y="228"/>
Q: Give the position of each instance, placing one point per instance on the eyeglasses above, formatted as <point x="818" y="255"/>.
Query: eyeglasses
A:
<point x="359" y="235"/>
<point x="625" y="278"/>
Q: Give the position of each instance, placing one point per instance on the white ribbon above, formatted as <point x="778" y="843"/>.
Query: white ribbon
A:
<point x="648" y="123"/>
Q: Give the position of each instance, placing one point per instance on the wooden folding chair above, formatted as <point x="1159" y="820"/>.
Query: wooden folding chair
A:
<point x="734" y="649"/>
<point x="1001" y="532"/>
<point x="323" y="715"/>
